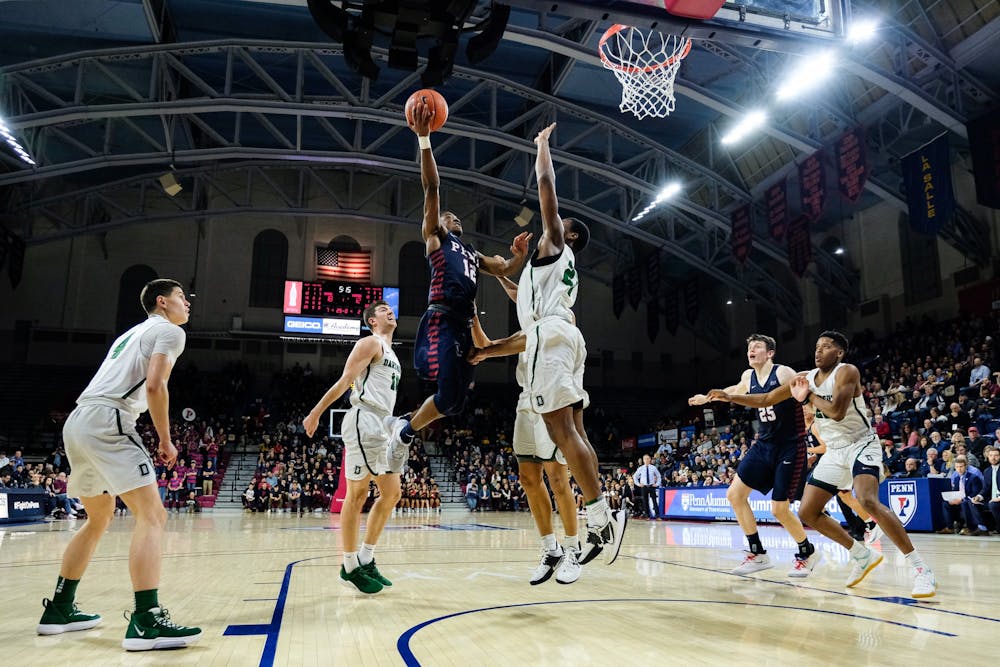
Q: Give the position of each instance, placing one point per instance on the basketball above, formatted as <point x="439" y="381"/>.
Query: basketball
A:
<point x="435" y="101"/>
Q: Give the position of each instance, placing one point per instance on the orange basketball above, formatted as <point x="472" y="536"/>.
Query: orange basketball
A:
<point x="435" y="101"/>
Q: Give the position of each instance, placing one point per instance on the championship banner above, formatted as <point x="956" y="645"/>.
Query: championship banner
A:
<point x="812" y="186"/>
<point x="653" y="318"/>
<point x="776" y="201"/>
<point x="691" y="301"/>
<point x="984" y="144"/>
<point x="617" y="295"/>
<point x="633" y="287"/>
<point x="852" y="163"/>
<point x="742" y="234"/>
<point x="672" y="310"/>
<point x="799" y="245"/>
<point x="652" y="268"/>
<point x="927" y="179"/>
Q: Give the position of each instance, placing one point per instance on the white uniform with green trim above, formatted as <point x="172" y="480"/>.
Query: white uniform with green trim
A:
<point x="555" y="352"/>
<point x="103" y="448"/>
<point x="851" y="443"/>
<point x="366" y="441"/>
<point x="531" y="438"/>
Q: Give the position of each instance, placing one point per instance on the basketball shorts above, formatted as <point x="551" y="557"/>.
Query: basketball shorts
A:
<point x="439" y="355"/>
<point x="839" y="466"/>
<point x="779" y="468"/>
<point x="532" y="443"/>
<point x="366" y="444"/>
<point x="555" y="353"/>
<point x="105" y="453"/>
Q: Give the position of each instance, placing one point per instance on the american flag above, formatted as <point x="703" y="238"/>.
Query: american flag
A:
<point x="352" y="265"/>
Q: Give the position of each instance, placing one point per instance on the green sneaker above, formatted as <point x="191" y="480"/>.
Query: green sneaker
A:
<point x="360" y="580"/>
<point x="153" y="629"/>
<point x="373" y="573"/>
<point x="59" y="618"/>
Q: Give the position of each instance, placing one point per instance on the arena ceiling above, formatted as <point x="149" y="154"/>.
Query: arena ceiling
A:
<point x="250" y="97"/>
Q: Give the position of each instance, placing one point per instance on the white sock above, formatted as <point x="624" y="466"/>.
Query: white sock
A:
<point x="858" y="550"/>
<point x="550" y="545"/>
<point x="598" y="514"/>
<point x="350" y="561"/>
<point x="914" y="559"/>
<point x="367" y="554"/>
<point x="571" y="542"/>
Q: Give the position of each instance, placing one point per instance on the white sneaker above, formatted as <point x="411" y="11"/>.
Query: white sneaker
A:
<point x="924" y="583"/>
<point x="609" y="535"/>
<point x="803" y="567"/>
<point x="860" y="567"/>
<point x="753" y="563"/>
<point x="546" y="567"/>
<point x="398" y="450"/>
<point x="570" y="568"/>
<point x="873" y="535"/>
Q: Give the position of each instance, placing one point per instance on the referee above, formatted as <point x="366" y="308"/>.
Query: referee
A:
<point x="647" y="478"/>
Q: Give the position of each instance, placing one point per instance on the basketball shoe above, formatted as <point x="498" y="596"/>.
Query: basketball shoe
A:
<point x="546" y="567"/>
<point x="609" y="535"/>
<point x="924" y="583"/>
<point x="59" y="618"/>
<point x="753" y="563"/>
<point x="153" y="629"/>
<point x="359" y="580"/>
<point x="860" y="567"/>
<point x="399" y="451"/>
<point x="872" y="533"/>
<point x="802" y="567"/>
<point x="569" y="569"/>
<point x="373" y="573"/>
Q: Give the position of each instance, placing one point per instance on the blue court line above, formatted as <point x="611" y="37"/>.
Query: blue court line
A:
<point x="923" y="605"/>
<point x="403" y="643"/>
<point x="260" y="599"/>
<point x="270" y="630"/>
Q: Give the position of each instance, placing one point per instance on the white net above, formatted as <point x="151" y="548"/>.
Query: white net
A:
<point x="646" y="65"/>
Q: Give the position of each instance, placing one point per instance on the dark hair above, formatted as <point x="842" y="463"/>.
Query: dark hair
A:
<point x="582" y="235"/>
<point x="369" y="311"/>
<point x="767" y="340"/>
<point x="839" y="339"/>
<point x="156" y="288"/>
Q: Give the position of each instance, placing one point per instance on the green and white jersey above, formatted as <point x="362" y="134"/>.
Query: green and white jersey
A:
<point x="847" y="431"/>
<point x="376" y="387"/>
<point x="547" y="288"/>
<point x="120" y="382"/>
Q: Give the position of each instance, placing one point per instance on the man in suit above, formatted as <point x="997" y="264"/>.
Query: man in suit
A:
<point x="969" y="481"/>
<point x="647" y="478"/>
<point x="990" y="495"/>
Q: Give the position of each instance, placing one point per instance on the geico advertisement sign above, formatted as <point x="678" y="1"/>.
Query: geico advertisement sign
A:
<point x="326" y="326"/>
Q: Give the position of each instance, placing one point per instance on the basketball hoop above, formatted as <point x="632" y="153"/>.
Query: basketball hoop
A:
<point x="646" y="65"/>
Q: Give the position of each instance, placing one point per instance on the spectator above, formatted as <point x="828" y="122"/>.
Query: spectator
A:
<point x="969" y="483"/>
<point x="990" y="495"/>
<point x="932" y="465"/>
<point x="975" y="443"/>
<point x="911" y="469"/>
<point x="882" y="428"/>
<point x="980" y="373"/>
<point x="956" y="420"/>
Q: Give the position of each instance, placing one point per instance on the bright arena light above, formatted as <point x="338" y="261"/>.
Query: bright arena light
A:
<point x="668" y="191"/>
<point x="14" y="144"/>
<point x="862" y="31"/>
<point x="747" y="124"/>
<point x="809" y="74"/>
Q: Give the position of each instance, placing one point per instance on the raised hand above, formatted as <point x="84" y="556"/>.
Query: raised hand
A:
<point x="698" y="399"/>
<point x="520" y="245"/>
<point x="800" y="388"/>
<point x="544" y="134"/>
<point x="421" y="121"/>
<point x="718" y="395"/>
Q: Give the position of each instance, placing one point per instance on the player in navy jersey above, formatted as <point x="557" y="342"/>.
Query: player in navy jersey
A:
<point x="444" y="336"/>
<point x="776" y="462"/>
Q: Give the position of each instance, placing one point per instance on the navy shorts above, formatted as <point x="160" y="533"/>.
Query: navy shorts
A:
<point x="439" y="355"/>
<point x="781" y="468"/>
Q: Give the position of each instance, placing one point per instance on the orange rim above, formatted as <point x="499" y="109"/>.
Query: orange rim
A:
<point x="617" y="28"/>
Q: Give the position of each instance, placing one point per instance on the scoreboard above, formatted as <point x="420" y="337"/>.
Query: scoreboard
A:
<point x="335" y="299"/>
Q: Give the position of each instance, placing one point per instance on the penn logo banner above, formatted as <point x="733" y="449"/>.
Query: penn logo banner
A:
<point x="927" y="179"/>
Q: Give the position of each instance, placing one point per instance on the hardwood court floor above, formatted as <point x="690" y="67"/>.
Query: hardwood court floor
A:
<point x="265" y="590"/>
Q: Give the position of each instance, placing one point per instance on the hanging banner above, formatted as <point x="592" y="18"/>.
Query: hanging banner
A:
<point x="812" y="186"/>
<point x="672" y="310"/>
<point x="691" y="301"/>
<point x="927" y="179"/>
<point x="799" y="245"/>
<point x="776" y="201"/>
<point x="653" y="319"/>
<point x="617" y="295"/>
<point x="742" y="234"/>
<point x="652" y="269"/>
<point x="984" y="144"/>
<point x="633" y="287"/>
<point x="852" y="163"/>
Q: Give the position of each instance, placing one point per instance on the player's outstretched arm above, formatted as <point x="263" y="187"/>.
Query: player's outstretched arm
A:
<point x="498" y="266"/>
<point x="741" y="387"/>
<point x="509" y="286"/>
<point x="503" y="347"/>
<point x="365" y="351"/>
<point x="848" y="379"/>
<point x="431" y="227"/>
<point x="782" y="393"/>
<point x="479" y="337"/>
<point x="552" y="240"/>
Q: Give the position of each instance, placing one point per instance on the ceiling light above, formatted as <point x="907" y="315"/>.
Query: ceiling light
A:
<point x="838" y="251"/>
<point x="669" y="190"/>
<point x="729" y="302"/>
<point x="861" y="31"/>
<point x="747" y="124"/>
<point x="810" y="73"/>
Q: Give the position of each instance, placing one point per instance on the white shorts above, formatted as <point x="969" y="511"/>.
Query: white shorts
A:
<point x="556" y="355"/>
<point x="531" y="439"/>
<point x="105" y="453"/>
<point x="838" y="467"/>
<point x="366" y="444"/>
